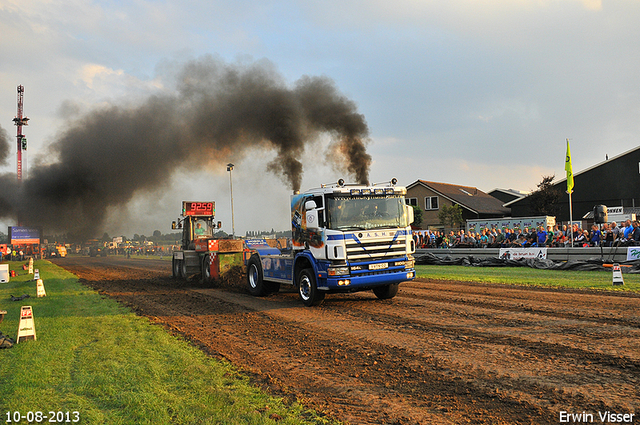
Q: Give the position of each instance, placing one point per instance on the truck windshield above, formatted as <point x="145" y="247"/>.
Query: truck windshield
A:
<point x="202" y="228"/>
<point x="364" y="213"/>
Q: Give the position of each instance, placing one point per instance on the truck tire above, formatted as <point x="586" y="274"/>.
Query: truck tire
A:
<point x="175" y="268"/>
<point x="256" y="284"/>
<point x="386" y="292"/>
<point x="255" y="281"/>
<point x="308" y="289"/>
<point x="206" y="270"/>
<point x="184" y="274"/>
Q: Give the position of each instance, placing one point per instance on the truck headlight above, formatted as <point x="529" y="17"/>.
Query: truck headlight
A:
<point x="408" y="264"/>
<point x="338" y="271"/>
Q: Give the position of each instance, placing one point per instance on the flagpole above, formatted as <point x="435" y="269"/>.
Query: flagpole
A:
<point x="569" y="169"/>
<point x="571" y="217"/>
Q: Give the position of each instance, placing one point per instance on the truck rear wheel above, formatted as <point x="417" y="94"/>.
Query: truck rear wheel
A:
<point x="175" y="268"/>
<point x="183" y="269"/>
<point x="308" y="289"/>
<point x="206" y="270"/>
<point x="255" y="279"/>
<point x="386" y="292"/>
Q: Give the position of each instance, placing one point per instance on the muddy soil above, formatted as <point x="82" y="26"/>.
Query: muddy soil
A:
<point x="438" y="353"/>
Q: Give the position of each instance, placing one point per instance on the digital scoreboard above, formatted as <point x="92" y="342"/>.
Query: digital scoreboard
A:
<point x="207" y="209"/>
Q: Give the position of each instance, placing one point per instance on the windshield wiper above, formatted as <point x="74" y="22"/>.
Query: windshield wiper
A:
<point x="386" y="226"/>
<point x="351" y="228"/>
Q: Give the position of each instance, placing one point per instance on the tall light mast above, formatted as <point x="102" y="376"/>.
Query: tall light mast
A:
<point x="19" y="121"/>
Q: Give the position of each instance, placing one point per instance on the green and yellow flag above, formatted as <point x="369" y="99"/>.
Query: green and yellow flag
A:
<point x="567" y="167"/>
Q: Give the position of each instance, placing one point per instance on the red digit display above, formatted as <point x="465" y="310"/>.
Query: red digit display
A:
<point x="198" y="208"/>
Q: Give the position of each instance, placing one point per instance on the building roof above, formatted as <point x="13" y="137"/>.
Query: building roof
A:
<point x="468" y="197"/>
<point x="597" y="165"/>
<point x="511" y="192"/>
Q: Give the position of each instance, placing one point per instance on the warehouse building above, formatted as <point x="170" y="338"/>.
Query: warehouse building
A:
<point x="614" y="183"/>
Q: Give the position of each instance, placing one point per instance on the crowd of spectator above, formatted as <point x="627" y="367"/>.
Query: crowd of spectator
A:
<point x="607" y="234"/>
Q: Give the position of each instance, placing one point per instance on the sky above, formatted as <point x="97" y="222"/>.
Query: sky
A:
<point x="470" y="92"/>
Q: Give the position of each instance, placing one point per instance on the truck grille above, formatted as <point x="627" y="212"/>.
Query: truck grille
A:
<point x="362" y="247"/>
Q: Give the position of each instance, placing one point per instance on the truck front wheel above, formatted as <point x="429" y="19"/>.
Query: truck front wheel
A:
<point x="308" y="289"/>
<point x="386" y="292"/>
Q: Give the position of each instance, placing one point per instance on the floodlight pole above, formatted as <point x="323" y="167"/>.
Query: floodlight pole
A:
<point x="233" y="225"/>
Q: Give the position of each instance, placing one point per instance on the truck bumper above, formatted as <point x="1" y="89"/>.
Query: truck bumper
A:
<point x="360" y="283"/>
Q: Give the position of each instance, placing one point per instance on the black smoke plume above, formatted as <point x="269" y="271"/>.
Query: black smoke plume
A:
<point x="219" y="110"/>
<point x="5" y="143"/>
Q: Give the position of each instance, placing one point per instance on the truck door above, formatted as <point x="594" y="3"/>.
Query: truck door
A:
<point x="314" y="213"/>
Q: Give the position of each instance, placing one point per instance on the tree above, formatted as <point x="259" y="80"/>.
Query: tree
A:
<point x="157" y="234"/>
<point x="546" y="199"/>
<point x="106" y="237"/>
<point x="450" y="216"/>
<point x="417" y="216"/>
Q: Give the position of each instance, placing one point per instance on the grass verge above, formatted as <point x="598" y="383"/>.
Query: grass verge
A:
<point x="97" y="358"/>
<point x="599" y="280"/>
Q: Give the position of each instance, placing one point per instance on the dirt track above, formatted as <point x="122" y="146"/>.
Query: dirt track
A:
<point x="438" y="353"/>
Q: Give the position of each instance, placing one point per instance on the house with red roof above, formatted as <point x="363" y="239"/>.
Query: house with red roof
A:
<point x="432" y="196"/>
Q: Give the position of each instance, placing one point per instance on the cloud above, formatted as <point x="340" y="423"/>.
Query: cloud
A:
<point x="89" y="72"/>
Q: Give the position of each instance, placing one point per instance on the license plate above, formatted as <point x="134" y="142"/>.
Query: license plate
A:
<point x="378" y="266"/>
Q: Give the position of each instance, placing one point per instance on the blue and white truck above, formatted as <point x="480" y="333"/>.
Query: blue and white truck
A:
<point x="346" y="238"/>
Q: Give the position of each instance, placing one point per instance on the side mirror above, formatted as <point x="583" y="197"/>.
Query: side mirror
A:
<point x="219" y="224"/>
<point x="312" y="219"/>
<point x="173" y="225"/>
<point x="410" y="217"/>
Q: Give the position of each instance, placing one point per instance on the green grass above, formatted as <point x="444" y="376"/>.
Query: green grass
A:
<point x="96" y="357"/>
<point x="600" y="280"/>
